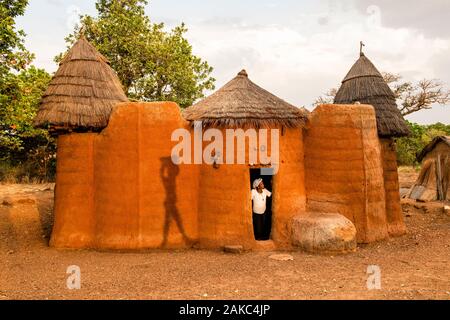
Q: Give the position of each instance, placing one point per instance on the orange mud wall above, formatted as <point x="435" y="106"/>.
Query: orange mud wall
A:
<point x="120" y="190"/>
<point x="225" y="206"/>
<point x="74" y="205"/>
<point x="344" y="168"/>
<point x="396" y="224"/>
<point x="289" y="186"/>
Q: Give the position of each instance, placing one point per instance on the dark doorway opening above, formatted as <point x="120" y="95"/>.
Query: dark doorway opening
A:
<point x="268" y="183"/>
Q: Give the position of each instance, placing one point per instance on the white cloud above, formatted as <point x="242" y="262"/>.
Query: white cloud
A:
<point x="301" y="60"/>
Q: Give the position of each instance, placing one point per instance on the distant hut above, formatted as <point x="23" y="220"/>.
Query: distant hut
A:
<point x="364" y="84"/>
<point x="82" y="94"/>
<point x="434" y="179"/>
<point x="225" y="213"/>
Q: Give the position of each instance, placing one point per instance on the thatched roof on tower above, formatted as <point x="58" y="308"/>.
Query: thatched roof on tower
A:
<point x="241" y="103"/>
<point x="365" y="84"/>
<point x="82" y="93"/>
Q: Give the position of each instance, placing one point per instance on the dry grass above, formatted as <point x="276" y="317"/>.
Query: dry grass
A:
<point x="22" y="174"/>
<point x="409" y="169"/>
<point x="83" y="92"/>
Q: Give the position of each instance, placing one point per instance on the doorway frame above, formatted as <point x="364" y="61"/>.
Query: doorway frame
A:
<point x="253" y="175"/>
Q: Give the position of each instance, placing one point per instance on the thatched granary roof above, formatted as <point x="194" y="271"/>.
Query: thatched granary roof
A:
<point x="429" y="147"/>
<point x="241" y="103"/>
<point x="365" y="84"/>
<point x="82" y="93"/>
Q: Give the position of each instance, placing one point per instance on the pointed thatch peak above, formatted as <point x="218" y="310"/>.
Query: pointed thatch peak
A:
<point x="241" y="103"/>
<point x="83" y="50"/>
<point x="365" y="84"/>
<point x="243" y="73"/>
<point x="82" y="93"/>
<point x="362" y="68"/>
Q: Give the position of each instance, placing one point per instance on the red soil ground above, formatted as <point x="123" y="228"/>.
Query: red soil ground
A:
<point x="415" y="266"/>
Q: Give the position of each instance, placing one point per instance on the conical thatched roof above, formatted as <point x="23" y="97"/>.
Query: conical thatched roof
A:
<point x="82" y="93"/>
<point x="241" y="103"/>
<point x="365" y="84"/>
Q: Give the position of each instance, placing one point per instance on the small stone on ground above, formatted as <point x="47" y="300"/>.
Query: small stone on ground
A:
<point x="234" y="249"/>
<point x="282" y="257"/>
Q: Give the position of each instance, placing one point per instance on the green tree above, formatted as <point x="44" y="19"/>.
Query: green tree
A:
<point x="409" y="147"/>
<point x="152" y="64"/>
<point x="13" y="55"/>
<point x="22" y="147"/>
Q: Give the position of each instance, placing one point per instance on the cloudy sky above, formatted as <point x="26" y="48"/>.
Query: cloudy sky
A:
<point x="297" y="49"/>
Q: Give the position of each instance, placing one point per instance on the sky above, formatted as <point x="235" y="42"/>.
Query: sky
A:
<point x="296" y="49"/>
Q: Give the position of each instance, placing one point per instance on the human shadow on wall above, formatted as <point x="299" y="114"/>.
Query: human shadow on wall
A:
<point x="169" y="173"/>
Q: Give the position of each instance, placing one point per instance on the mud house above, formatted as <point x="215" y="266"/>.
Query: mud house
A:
<point x="118" y="186"/>
<point x="243" y="104"/>
<point x="434" y="179"/>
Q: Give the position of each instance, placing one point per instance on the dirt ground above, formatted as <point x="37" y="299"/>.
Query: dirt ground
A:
<point x="415" y="266"/>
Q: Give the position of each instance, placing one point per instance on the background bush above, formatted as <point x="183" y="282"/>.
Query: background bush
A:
<point x="409" y="147"/>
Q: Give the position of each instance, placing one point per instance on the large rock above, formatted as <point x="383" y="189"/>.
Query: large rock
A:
<point x="324" y="233"/>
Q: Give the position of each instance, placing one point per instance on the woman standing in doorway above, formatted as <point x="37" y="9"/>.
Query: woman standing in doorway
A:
<point x="259" y="198"/>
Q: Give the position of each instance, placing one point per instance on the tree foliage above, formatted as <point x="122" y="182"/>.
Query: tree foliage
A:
<point x="21" y="88"/>
<point x="409" y="147"/>
<point x="13" y="55"/>
<point x="152" y="64"/>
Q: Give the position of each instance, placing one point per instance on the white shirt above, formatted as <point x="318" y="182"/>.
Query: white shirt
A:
<point x="259" y="200"/>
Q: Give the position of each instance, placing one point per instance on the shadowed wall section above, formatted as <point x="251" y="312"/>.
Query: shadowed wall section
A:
<point x="396" y="224"/>
<point x="134" y="199"/>
<point x="134" y="182"/>
<point x="344" y="170"/>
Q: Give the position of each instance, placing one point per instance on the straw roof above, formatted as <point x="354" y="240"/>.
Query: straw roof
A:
<point x="82" y="93"/>
<point x="241" y="103"/>
<point x="365" y="84"/>
<point x="429" y="147"/>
